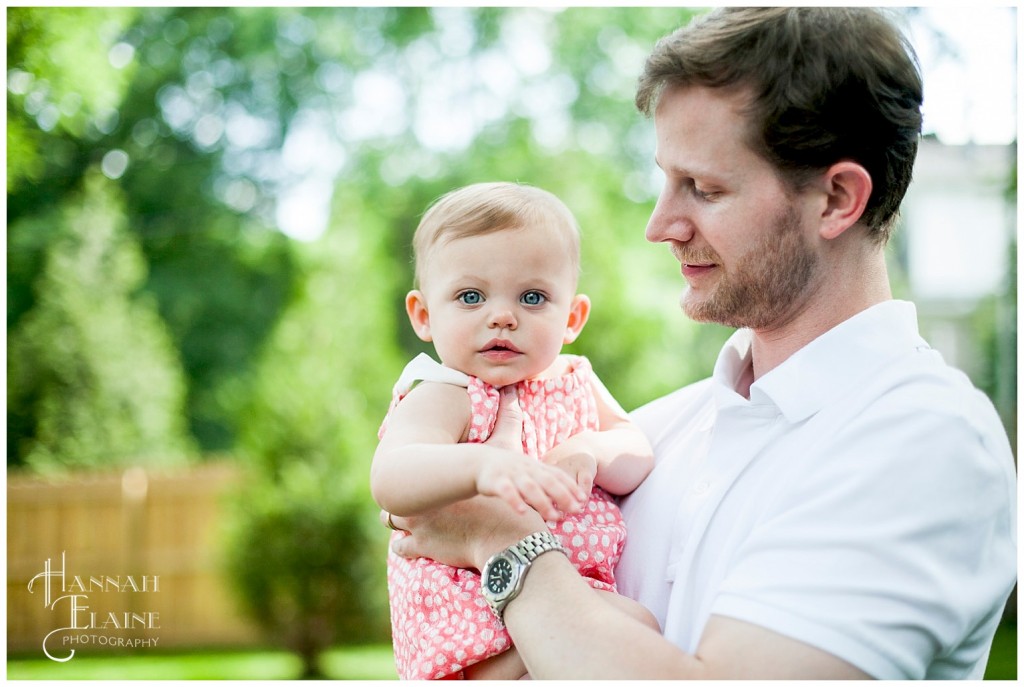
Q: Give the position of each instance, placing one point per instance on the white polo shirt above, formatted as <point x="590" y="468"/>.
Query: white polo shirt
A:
<point x="861" y="501"/>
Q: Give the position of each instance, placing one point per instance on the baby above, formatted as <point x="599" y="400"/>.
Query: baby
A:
<point x="497" y="266"/>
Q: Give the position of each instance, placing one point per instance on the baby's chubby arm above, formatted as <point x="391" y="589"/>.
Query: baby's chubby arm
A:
<point x="422" y="463"/>
<point x="619" y="453"/>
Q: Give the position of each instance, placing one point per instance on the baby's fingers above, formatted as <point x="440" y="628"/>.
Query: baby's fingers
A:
<point x="538" y="499"/>
<point x="553" y="492"/>
<point x="507" y="490"/>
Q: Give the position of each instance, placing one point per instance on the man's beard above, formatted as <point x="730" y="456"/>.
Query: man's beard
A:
<point x="767" y="284"/>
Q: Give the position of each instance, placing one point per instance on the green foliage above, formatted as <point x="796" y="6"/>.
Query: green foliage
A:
<point x="94" y="379"/>
<point x="66" y="77"/>
<point x="324" y="377"/>
<point x="219" y="274"/>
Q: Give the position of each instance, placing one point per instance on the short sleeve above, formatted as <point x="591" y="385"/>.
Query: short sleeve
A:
<point x="889" y="552"/>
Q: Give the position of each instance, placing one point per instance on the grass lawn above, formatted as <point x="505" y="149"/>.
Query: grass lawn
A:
<point x="348" y="663"/>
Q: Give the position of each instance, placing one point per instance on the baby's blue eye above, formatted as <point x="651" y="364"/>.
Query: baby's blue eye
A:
<point x="532" y="298"/>
<point x="471" y="298"/>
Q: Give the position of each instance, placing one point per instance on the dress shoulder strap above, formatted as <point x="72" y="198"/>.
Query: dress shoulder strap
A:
<point x="423" y="368"/>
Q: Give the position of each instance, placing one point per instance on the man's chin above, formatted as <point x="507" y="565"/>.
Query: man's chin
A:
<point x="707" y="312"/>
<point x="697" y="309"/>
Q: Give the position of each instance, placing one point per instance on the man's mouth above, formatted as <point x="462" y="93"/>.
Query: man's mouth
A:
<point x="691" y="270"/>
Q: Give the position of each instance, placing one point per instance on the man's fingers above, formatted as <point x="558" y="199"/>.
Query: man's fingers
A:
<point x="405" y="547"/>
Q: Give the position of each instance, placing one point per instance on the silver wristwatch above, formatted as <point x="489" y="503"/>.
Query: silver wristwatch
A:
<point x="502" y="576"/>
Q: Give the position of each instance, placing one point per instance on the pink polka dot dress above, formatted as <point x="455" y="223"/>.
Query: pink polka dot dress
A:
<point x="440" y="623"/>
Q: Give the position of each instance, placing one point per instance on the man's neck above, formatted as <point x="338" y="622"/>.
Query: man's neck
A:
<point x="771" y="347"/>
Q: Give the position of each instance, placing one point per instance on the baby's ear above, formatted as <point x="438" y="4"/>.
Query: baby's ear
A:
<point x="416" y="308"/>
<point x="578" y="314"/>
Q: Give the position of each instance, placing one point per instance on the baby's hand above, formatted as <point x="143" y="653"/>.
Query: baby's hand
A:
<point x="580" y="466"/>
<point x="523" y="481"/>
<point x="518" y="479"/>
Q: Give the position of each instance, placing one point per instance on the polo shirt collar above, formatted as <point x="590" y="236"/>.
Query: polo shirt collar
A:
<point x="823" y="369"/>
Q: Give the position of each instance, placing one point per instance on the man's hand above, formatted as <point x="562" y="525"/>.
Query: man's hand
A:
<point x="465" y="534"/>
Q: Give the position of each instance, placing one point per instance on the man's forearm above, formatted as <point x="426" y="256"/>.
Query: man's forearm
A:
<point x="564" y="631"/>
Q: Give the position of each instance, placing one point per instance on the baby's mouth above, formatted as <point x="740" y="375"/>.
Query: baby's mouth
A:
<point x="500" y="347"/>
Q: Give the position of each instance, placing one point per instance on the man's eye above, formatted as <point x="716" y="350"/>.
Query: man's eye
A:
<point x="703" y="194"/>
<point x="470" y="298"/>
<point x="532" y="298"/>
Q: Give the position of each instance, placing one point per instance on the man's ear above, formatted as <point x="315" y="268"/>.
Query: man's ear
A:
<point x="578" y="314"/>
<point x="419" y="318"/>
<point x="847" y="187"/>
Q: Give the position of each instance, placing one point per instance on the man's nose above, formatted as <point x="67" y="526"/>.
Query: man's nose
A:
<point x="670" y="221"/>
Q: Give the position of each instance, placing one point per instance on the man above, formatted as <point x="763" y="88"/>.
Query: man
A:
<point x="835" y="501"/>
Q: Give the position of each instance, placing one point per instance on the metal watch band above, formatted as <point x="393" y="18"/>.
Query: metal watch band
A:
<point x="537" y="543"/>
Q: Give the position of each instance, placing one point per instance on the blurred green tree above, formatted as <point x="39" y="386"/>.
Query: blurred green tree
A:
<point x="87" y="83"/>
<point x="305" y="562"/>
<point x="94" y="378"/>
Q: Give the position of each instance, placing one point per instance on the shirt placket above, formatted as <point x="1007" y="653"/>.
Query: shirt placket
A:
<point x="738" y="434"/>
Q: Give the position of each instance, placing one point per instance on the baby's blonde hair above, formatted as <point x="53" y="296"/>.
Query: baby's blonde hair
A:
<point x="484" y="208"/>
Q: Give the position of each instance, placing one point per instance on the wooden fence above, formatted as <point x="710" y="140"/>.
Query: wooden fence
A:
<point x="121" y="561"/>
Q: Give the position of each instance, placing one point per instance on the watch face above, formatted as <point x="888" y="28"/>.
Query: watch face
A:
<point x="499" y="576"/>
